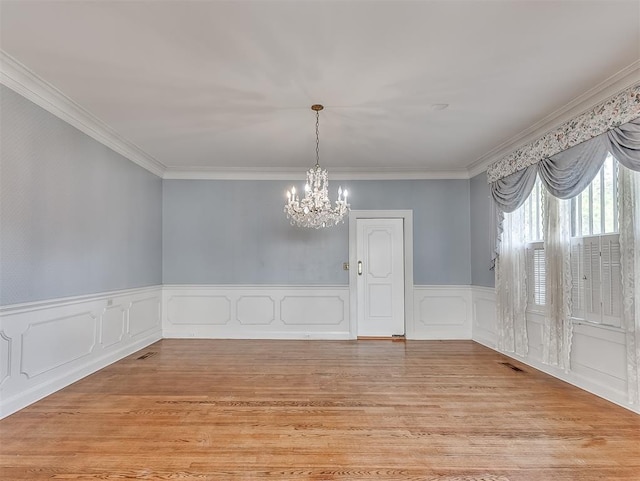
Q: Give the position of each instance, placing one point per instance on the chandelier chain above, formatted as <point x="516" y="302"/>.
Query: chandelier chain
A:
<point x="317" y="138"/>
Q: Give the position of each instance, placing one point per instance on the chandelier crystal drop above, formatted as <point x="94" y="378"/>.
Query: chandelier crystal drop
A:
<point x="315" y="210"/>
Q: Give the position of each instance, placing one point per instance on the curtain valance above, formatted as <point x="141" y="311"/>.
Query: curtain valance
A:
<point x="510" y="192"/>
<point x="624" y="144"/>
<point x="567" y="173"/>
<point x="618" y="110"/>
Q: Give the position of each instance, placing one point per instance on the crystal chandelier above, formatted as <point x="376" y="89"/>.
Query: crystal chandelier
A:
<point x="315" y="210"/>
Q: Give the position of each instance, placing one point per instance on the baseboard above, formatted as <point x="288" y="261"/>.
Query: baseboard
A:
<point x="597" y="389"/>
<point x="48" y="345"/>
<point x="603" y="376"/>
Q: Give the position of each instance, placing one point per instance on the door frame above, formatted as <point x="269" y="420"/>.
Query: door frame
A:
<point x="407" y="216"/>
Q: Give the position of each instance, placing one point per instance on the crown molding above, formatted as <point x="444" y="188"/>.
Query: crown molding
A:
<point x="298" y="176"/>
<point x="615" y="84"/>
<point x="20" y="79"/>
<point x="25" y="82"/>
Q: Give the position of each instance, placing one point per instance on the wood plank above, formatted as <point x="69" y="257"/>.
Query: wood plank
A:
<point x="320" y="410"/>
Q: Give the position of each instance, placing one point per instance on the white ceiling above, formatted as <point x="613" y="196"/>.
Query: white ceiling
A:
<point x="227" y="86"/>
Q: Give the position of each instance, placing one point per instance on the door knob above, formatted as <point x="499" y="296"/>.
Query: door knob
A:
<point x="359" y="268"/>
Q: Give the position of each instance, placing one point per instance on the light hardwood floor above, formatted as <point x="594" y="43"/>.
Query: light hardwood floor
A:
<point x="320" y="410"/>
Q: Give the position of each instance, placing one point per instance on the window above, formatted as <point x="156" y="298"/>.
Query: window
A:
<point x="533" y="213"/>
<point x="595" y="210"/>
<point x="596" y="293"/>
<point x="537" y="277"/>
<point x="536" y="271"/>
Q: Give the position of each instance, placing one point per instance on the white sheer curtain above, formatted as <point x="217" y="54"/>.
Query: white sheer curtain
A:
<point x="629" y="195"/>
<point x="565" y="175"/>
<point x="557" y="328"/>
<point x="511" y="285"/>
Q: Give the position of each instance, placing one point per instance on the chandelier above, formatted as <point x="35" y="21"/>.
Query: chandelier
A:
<point x="315" y="210"/>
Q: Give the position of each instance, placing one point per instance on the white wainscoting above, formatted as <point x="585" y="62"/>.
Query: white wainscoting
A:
<point x="599" y="360"/>
<point x="255" y="312"/>
<point x="535" y="321"/>
<point x="301" y="312"/>
<point x="598" y="355"/>
<point x="45" y="346"/>
<point x="485" y="328"/>
<point x="441" y="312"/>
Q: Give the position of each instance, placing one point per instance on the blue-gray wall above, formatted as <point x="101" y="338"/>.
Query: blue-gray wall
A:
<point x="440" y="223"/>
<point x="235" y="232"/>
<point x="482" y="238"/>
<point x="76" y="217"/>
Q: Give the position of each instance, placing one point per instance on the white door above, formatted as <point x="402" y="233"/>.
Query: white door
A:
<point x="380" y="277"/>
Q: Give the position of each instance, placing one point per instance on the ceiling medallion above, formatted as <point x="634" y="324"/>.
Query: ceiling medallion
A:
<point x="315" y="210"/>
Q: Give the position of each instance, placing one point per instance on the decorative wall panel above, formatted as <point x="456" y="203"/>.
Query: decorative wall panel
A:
<point x="198" y="310"/>
<point x="441" y="312"/>
<point x="535" y="322"/>
<point x="48" y="345"/>
<point x="5" y="357"/>
<point x="485" y="326"/>
<point x="598" y="354"/>
<point x="112" y="325"/>
<point x="256" y="312"/>
<point x="144" y="315"/>
<point x="77" y="337"/>
<point x="312" y="310"/>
